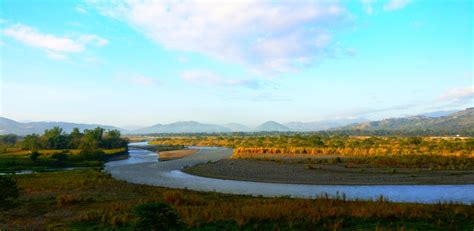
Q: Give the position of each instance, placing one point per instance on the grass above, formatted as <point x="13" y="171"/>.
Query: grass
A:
<point x="172" y="155"/>
<point x="88" y="199"/>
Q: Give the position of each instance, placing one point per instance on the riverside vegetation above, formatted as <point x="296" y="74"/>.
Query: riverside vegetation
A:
<point x="315" y="159"/>
<point x="89" y="199"/>
<point x="57" y="149"/>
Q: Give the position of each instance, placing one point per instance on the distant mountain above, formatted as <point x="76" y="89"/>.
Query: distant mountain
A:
<point x="182" y="127"/>
<point x="235" y="127"/>
<point x="8" y="126"/>
<point x="458" y="121"/>
<point x="436" y="114"/>
<point x="322" y="125"/>
<point x="271" y="126"/>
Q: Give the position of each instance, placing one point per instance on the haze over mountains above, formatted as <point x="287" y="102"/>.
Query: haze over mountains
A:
<point x="461" y="120"/>
<point x="438" y="121"/>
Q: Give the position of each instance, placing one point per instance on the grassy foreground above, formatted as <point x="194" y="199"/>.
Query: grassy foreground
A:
<point x="90" y="199"/>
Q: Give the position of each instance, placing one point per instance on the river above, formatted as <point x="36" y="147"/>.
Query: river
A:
<point x="143" y="168"/>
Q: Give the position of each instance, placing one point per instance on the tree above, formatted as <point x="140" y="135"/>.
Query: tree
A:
<point x="156" y="216"/>
<point x="31" y="142"/>
<point x="9" y="191"/>
<point x="92" y="138"/>
<point x="112" y="140"/>
<point x="75" y="138"/>
<point x="55" y="138"/>
<point x="9" y="139"/>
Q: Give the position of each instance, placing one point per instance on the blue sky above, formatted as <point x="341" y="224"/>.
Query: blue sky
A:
<point x="146" y="62"/>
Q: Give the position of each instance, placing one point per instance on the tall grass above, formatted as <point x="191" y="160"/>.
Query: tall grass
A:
<point x="86" y="198"/>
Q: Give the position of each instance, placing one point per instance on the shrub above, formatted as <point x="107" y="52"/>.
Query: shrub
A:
<point x="60" y="157"/>
<point x="90" y="155"/>
<point x="156" y="216"/>
<point x="34" y="155"/>
<point x="9" y="192"/>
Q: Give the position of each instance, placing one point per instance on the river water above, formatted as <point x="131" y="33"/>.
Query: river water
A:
<point x="142" y="167"/>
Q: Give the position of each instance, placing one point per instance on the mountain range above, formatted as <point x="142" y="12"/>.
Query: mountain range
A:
<point x="457" y="121"/>
<point x="8" y="126"/>
<point x="443" y="120"/>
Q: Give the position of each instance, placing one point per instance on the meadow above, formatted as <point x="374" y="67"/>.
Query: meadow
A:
<point x="90" y="199"/>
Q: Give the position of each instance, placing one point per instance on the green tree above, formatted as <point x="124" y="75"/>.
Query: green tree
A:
<point x="9" y="139"/>
<point x="31" y="142"/>
<point x="112" y="139"/>
<point x="55" y="138"/>
<point x="156" y="216"/>
<point x="75" y="138"/>
<point x="92" y="138"/>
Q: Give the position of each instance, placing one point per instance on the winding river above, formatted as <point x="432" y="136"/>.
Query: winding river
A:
<point x="143" y="168"/>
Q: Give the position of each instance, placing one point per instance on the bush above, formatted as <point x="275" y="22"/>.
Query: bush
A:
<point x="34" y="156"/>
<point x="60" y="157"/>
<point x="156" y="216"/>
<point x="9" y="192"/>
<point x="90" y="155"/>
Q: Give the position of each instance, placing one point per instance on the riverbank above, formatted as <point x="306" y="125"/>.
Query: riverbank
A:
<point x="88" y="199"/>
<point x="172" y="155"/>
<point x="327" y="173"/>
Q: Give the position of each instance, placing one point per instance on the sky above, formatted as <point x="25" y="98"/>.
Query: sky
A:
<point x="145" y="62"/>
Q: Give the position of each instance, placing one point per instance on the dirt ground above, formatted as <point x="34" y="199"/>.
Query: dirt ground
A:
<point x="327" y="174"/>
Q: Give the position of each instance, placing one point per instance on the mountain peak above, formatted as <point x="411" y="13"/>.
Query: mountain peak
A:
<point x="272" y="126"/>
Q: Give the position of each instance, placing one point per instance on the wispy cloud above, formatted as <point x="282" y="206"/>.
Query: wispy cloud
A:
<point x="268" y="36"/>
<point x="137" y="79"/>
<point x="458" y="94"/>
<point x="56" y="47"/>
<point x="210" y="78"/>
<point x="395" y="4"/>
<point x="260" y="97"/>
<point x="81" y="9"/>
<point x="142" y="80"/>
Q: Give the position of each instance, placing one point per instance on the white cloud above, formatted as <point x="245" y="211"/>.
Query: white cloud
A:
<point x="210" y="78"/>
<point x="264" y="35"/>
<point x="136" y="79"/>
<point x="368" y="6"/>
<point x="458" y="94"/>
<point x="142" y="80"/>
<point x="81" y="10"/>
<point x="182" y="59"/>
<point x="395" y="4"/>
<point x="56" y="47"/>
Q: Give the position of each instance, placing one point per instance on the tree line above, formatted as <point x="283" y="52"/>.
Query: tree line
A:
<point x="56" y="138"/>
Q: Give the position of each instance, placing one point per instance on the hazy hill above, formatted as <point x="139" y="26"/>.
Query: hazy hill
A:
<point x="461" y="122"/>
<point x="458" y="121"/>
<point x="8" y="126"/>
<point x="236" y="127"/>
<point x="183" y="127"/>
<point x="321" y="125"/>
<point x="272" y="126"/>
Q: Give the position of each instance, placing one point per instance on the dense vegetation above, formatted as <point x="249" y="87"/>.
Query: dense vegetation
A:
<point x="92" y="139"/>
<point x="331" y="145"/>
<point x="56" y="148"/>
<point x="87" y="199"/>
